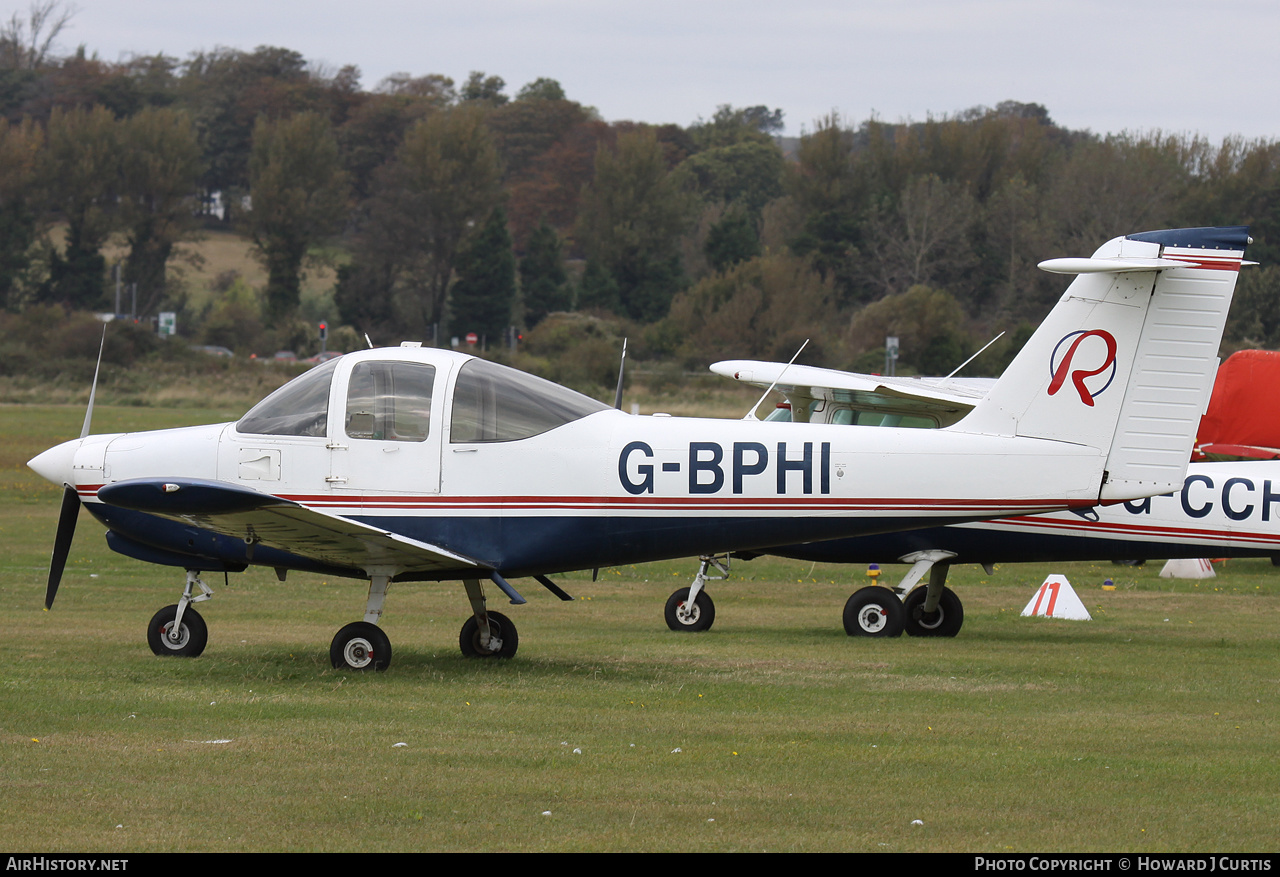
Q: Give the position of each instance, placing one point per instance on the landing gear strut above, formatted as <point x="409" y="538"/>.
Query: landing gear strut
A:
<point x="178" y="630"/>
<point x="931" y="610"/>
<point x="486" y="634"/>
<point x="362" y="645"/>
<point x="691" y="609"/>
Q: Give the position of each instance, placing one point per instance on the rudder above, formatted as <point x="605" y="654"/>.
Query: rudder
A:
<point x="1125" y="362"/>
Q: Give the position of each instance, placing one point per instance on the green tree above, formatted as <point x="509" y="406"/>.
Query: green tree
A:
<point x="544" y="286"/>
<point x="81" y="170"/>
<point x="749" y="173"/>
<point x="929" y="324"/>
<point x="159" y="167"/>
<point x="832" y="197"/>
<point x="632" y="218"/>
<point x="732" y="240"/>
<point x="764" y="308"/>
<point x="486" y="89"/>
<point x="299" y="194"/>
<point x="731" y="126"/>
<point x="445" y="180"/>
<point x="20" y="208"/>
<point x="541" y="88"/>
<point x="485" y="291"/>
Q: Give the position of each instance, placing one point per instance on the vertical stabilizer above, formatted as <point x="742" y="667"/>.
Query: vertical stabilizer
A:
<point x="1125" y="362"/>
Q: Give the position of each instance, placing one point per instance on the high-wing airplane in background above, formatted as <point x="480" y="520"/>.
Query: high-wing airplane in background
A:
<point x="1222" y="509"/>
<point x="415" y="464"/>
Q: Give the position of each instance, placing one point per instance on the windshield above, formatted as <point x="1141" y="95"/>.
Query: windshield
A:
<point x="493" y="403"/>
<point x="300" y="407"/>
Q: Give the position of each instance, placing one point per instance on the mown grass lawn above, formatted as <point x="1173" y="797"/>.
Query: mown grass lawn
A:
<point x="1150" y="728"/>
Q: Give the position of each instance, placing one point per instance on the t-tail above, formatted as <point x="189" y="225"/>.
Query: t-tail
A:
<point x="1125" y="362"/>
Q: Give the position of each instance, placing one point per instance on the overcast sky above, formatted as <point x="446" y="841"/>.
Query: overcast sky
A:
<point x="1106" y="66"/>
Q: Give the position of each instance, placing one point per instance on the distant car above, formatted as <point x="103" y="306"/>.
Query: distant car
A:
<point x="323" y="357"/>
<point x="213" y="350"/>
<point x="285" y="356"/>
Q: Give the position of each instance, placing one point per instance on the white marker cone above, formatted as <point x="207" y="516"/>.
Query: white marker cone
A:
<point x="1057" y="599"/>
<point x="1188" y="568"/>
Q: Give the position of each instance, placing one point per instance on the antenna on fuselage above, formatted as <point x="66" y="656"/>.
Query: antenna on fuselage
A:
<point x="93" y="389"/>
<point x="622" y="364"/>
<point x="972" y="358"/>
<point x="367" y="341"/>
<point x="751" y="415"/>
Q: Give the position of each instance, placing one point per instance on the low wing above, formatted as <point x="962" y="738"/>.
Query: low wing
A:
<point x="944" y="400"/>
<point x="280" y="523"/>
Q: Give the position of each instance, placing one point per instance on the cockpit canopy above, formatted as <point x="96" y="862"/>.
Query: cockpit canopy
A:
<point x="493" y="403"/>
<point x="391" y="400"/>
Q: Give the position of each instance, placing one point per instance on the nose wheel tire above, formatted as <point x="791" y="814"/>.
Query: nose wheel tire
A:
<point x="188" y="641"/>
<point x="500" y="626"/>
<point x="874" y="611"/>
<point x="690" y="617"/>
<point x="945" y="621"/>
<point x="360" y="646"/>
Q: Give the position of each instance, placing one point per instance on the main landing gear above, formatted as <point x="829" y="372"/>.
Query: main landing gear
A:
<point x="918" y="610"/>
<point x="932" y="610"/>
<point x="362" y="645"/>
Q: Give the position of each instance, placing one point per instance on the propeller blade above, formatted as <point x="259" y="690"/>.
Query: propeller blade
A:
<point x="62" y="542"/>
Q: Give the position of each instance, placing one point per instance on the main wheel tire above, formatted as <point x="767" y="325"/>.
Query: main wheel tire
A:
<point x="689" y="617"/>
<point x="874" y="611"/>
<point x="944" y="621"/>
<point x="360" y="646"/>
<point x="193" y="635"/>
<point x="500" y="626"/>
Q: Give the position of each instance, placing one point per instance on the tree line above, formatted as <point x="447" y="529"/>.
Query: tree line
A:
<point x="453" y="207"/>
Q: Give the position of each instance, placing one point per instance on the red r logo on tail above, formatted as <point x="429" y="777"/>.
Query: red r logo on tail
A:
<point x="1060" y="368"/>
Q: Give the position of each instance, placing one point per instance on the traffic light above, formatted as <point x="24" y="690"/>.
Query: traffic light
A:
<point x="324" y="331"/>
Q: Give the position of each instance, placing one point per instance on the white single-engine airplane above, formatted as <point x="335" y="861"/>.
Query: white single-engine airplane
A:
<point x="413" y="464"/>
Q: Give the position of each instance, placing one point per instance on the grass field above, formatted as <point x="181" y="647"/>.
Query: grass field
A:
<point x="1151" y="728"/>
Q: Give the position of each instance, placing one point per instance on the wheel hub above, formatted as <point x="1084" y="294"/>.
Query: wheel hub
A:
<point x="174" y="637"/>
<point x="873" y="619"/>
<point x="358" y="653"/>
<point x="688" y="612"/>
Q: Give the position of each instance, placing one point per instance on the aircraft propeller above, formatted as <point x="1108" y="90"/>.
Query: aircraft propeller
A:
<point x="70" y="510"/>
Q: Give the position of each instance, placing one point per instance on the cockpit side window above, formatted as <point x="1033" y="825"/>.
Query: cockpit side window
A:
<point x="493" y="403"/>
<point x="389" y="401"/>
<point x="300" y="407"/>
